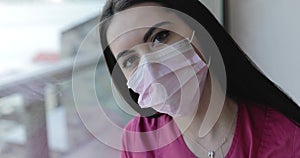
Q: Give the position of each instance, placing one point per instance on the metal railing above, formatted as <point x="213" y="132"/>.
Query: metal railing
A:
<point x="31" y="86"/>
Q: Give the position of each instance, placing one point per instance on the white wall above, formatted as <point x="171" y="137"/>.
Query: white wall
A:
<point x="269" y="32"/>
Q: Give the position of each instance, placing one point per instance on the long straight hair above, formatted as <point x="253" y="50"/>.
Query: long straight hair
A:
<point x="245" y="82"/>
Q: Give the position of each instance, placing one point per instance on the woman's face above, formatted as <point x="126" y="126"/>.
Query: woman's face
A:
<point x="138" y="31"/>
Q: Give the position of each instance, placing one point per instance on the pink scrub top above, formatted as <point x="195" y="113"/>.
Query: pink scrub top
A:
<point x="260" y="132"/>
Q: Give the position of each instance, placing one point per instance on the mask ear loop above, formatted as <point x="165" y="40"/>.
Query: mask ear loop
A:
<point x="191" y="39"/>
<point x="208" y="63"/>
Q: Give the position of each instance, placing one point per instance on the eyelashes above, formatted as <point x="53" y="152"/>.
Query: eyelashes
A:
<point x="130" y="61"/>
<point x="160" y="38"/>
<point x="157" y="40"/>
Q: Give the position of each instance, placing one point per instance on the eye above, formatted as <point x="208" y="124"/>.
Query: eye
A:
<point x="160" y="38"/>
<point x="130" y="61"/>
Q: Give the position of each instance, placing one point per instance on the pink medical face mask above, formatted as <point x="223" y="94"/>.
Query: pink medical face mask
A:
<point x="170" y="80"/>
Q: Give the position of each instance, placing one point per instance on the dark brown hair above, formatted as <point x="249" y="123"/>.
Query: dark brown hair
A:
<point x="244" y="80"/>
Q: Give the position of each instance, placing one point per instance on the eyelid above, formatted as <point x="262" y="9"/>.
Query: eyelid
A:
<point x="124" y="53"/>
<point x="154" y="28"/>
<point x="160" y="30"/>
<point x="125" y="60"/>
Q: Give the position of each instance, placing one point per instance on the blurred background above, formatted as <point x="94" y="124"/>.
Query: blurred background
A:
<point x="40" y="117"/>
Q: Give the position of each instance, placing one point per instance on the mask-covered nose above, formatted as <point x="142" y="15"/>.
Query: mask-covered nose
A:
<point x="170" y="80"/>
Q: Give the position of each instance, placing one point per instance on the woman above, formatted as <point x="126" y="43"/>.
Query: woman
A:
<point x="156" y="58"/>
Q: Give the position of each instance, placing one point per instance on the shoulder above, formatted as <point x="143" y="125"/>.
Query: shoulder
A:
<point x="259" y="113"/>
<point x="271" y="120"/>
<point x="278" y="135"/>
<point x="146" y="124"/>
<point x="141" y="138"/>
<point x="282" y="134"/>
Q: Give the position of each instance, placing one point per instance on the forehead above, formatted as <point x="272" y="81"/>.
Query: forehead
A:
<point x="127" y="28"/>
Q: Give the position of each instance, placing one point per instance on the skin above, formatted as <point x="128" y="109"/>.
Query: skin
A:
<point x="126" y="32"/>
<point x="130" y="37"/>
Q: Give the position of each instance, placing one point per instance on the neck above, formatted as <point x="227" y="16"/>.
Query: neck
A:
<point x="219" y="131"/>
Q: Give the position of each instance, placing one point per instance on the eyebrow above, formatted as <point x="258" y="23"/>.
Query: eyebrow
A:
<point x="153" y="28"/>
<point x="123" y="53"/>
<point x="145" y="38"/>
